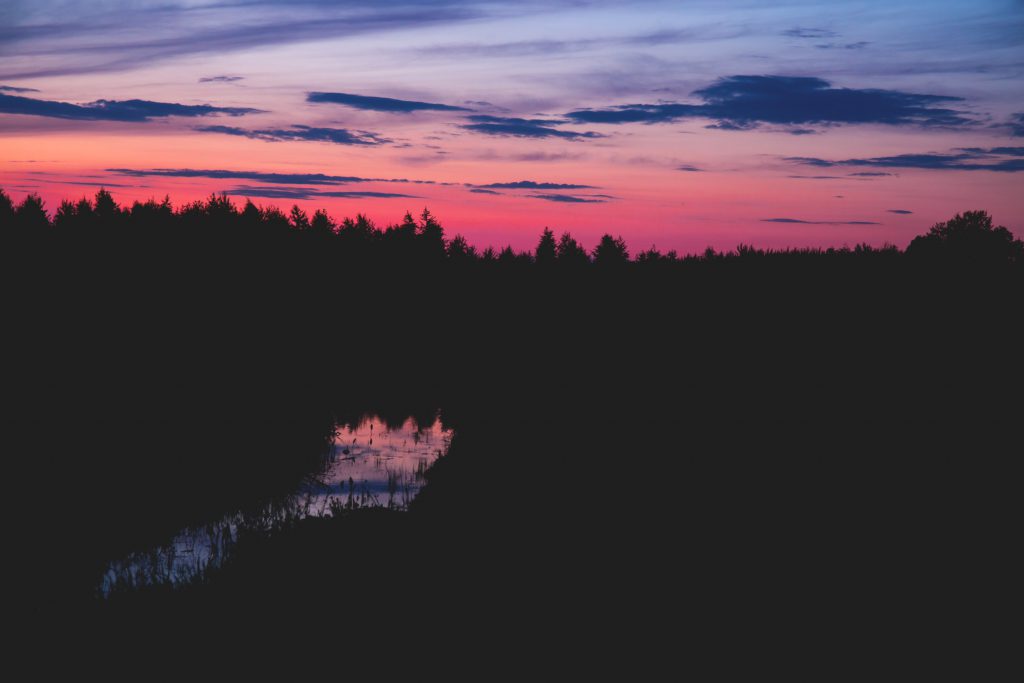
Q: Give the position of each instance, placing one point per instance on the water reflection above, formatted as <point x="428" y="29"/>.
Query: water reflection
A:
<point x="373" y="463"/>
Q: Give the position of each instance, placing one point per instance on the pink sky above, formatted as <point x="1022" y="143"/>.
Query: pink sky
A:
<point x="545" y="63"/>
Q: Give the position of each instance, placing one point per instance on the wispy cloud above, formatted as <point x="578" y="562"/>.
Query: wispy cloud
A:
<point x="524" y="128"/>
<point x="113" y="110"/>
<point x="1016" y="125"/>
<point x="801" y="32"/>
<point x="385" y="104"/>
<point x="276" y="178"/>
<point x="803" y="222"/>
<point x="309" y="193"/>
<point x="746" y="102"/>
<point x="11" y="88"/>
<point x="61" y="38"/>
<point x="859" y="45"/>
<point x="221" y="79"/>
<point x="966" y="159"/>
<point x="534" y="185"/>
<point x="569" y="199"/>
<point x="901" y="212"/>
<point x="338" y="136"/>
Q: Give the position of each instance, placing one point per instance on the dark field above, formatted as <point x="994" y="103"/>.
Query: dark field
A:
<point x="817" y="446"/>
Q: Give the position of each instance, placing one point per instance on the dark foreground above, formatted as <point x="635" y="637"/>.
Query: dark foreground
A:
<point x="832" y="437"/>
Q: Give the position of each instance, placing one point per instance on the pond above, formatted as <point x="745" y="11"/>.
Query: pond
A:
<point x="372" y="463"/>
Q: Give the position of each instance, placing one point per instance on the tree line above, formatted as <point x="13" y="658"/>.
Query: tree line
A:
<point x="969" y="236"/>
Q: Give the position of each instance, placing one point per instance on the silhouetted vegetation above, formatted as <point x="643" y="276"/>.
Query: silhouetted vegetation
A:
<point x="701" y="432"/>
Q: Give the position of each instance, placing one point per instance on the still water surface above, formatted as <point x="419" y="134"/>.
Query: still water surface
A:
<point x="370" y="465"/>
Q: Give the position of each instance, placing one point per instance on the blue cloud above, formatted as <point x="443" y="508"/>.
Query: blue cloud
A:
<point x="746" y="102"/>
<point x="378" y="103"/>
<point x="523" y="128"/>
<point x="963" y="160"/>
<point x="1017" y="125"/>
<point x="78" y="35"/>
<point x="112" y="110"/>
<point x="533" y="185"/>
<point x="689" y="168"/>
<point x="221" y="79"/>
<point x="802" y="222"/>
<point x="902" y="212"/>
<point x="860" y="45"/>
<point x="338" y="136"/>
<point x="567" y="198"/>
<point x="11" y="88"/>
<point x="277" y="178"/>
<point x="308" y="193"/>
<point x="799" y="32"/>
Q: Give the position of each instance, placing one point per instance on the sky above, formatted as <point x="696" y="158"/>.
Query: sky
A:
<point x="681" y="125"/>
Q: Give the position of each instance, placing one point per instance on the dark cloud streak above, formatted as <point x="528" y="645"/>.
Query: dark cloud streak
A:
<point x="523" y="128"/>
<point x="533" y="185"/>
<point x="803" y="222"/>
<point x="113" y="110"/>
<point x="963" y="160"/>
<point x="385" y="104"/>
<point x="277" y="178"/>
<point x="746" y="102"/>
<point x="309" y="193"/>
<point x="338" y="136"/>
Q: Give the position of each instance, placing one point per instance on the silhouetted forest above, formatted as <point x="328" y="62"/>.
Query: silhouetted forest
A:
<point x="807" y="430"/>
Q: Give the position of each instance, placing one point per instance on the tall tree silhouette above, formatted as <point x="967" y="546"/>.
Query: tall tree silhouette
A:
<point x="968" y="237"/>
<point x="570" y="253"/>
<point x="31" y="213"/>
<point x="299" y="219"/>
<point x="430" y="236"/>
<point x="547" y="249"/>
<point x="108" y="213"/>
<point x="321" y="226"/>
<point x="611" y="252"/>
<point x="6" y="209"/>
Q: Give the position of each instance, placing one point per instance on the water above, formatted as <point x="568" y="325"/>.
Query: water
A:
<point x="370" y="465"/>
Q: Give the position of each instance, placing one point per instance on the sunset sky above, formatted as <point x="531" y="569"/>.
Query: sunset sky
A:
<point x="679" y="124"/>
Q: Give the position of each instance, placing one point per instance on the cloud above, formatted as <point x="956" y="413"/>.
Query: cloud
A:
<point x="1017" y="125"/>
<point x="338" y="136"/>
<point x="689" y="168"/>
<point x="802" y="222"/>
<point x="902" y="212"/>
<point x="221" y="79"/>
<point x="96" y="185"/>
<point x="308" y="193"/>
<point x="567" y="198"/>
<point x="800" y="32"/>
<point x="11" y="88"/>
<point x="378" y="103"/>
<point x="871" y="174"/>
<point x="277" y="178"/>
<point x="746" y="102"/>
<point x="1008" y="151"/>
<point x="970" y="159"/>
<point x="523" y="128"/>
<point x="62" y="38"/>
<point x="112" y="110"/>
<point x="478" y="190"/>
<point x="533" y="185"/>
<point x="843" y="46"/>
